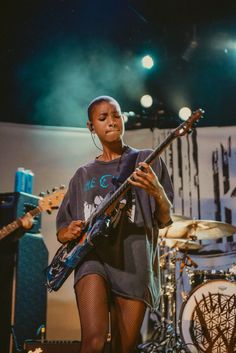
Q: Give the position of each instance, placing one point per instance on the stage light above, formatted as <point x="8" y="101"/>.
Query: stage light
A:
<point x="147" y="62"/>
<point x="128" y="115"/>
<point x="146" y="101"/>
<point x="184" y="113"/>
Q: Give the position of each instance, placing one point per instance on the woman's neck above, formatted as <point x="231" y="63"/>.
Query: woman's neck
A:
<point x="110" y="153"/>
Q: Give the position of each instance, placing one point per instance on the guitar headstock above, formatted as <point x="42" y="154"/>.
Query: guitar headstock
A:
<point x="52" y="200"/>
<point x="187" y="125"/>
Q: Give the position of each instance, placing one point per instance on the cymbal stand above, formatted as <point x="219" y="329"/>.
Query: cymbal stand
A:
<point x="165" y="338"/>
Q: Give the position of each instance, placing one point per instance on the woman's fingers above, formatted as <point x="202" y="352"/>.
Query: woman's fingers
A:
<point x="144" y="175"/>
<point x="145" y="178"/>
<point x="75" y="228"/>
<point x="27" y="221"/>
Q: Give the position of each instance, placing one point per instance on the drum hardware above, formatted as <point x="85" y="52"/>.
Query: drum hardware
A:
<point x="165" y="338"/>
<point x="182" y="236"/>
<point x="232" y="269"/>
<point x="184" y="295"/>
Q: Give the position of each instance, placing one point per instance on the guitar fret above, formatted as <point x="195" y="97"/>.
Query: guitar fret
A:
<point x="9" y="228"/>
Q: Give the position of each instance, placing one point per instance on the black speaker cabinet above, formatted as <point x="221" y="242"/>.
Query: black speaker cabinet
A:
<point x="57" y="346"/>
<point x="23" y="294"/>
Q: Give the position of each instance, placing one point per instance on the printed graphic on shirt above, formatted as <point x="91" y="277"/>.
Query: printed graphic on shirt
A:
<point x="131" y="210"/>
<point x="104" y="181"/>
<point x="90" y="208"/>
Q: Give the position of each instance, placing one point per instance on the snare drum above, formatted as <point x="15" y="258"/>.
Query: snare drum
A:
<point x="208" y="318"/>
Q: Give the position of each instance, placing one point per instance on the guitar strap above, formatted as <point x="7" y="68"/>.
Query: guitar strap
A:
<point x="127" y="168"/>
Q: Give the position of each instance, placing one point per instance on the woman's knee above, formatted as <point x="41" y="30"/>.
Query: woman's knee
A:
<point x="93" y="343"/>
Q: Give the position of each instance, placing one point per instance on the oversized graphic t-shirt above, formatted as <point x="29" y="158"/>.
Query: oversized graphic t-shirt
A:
<point x="88" y="190"/>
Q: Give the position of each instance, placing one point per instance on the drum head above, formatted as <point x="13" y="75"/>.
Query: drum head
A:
<point x="208" y="318"/>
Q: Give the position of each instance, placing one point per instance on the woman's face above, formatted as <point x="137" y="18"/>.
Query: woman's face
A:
<point x="108" y="122"/>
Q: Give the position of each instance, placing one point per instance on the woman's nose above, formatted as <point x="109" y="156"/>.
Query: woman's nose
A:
<point x="111" y="121"/>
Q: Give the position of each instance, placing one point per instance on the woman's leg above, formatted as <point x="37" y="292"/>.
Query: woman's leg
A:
<point x="93" y="305"/>
<point x="129" y="316"/>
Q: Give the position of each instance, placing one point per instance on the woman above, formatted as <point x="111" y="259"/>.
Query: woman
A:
<point x="120" y="275"/>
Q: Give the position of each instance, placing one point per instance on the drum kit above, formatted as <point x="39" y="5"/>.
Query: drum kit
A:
<point x="206" y="320"/>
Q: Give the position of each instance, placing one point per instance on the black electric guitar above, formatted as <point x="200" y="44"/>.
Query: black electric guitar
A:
<point x="71" y="254"/>
<point x="47" y="203"/>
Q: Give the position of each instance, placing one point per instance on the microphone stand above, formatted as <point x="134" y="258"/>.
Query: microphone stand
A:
<point x="16" y="345"/>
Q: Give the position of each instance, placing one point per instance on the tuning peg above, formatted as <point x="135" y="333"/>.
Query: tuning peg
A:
<point x="62" y="186"/>
<point x="55" y="188"/>
<point x="42" y="194"/>
<point x="48" y="192"/>
<point x="49" y="212"/>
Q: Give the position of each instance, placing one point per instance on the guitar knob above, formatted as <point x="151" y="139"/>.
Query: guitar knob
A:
<point x="42" y="194"/>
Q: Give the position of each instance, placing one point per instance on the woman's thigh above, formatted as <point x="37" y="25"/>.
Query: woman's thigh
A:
<point x="93" y="304"/>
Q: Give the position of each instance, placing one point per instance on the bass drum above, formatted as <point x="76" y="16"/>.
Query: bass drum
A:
<point x="208" y="318"/>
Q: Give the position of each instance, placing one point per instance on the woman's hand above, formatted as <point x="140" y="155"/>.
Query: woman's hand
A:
<point x="147" y="180"/>
<point x="27" y="221"/>
<point x="71" y="232"/>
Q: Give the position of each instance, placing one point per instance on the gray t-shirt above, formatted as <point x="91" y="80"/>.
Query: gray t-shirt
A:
<point x="130" y="254"/>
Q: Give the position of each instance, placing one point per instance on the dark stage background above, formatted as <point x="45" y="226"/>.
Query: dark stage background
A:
<point x="56" y="56"/>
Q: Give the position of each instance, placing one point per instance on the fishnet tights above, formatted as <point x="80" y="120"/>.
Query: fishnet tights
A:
<point x="94" y="304"/>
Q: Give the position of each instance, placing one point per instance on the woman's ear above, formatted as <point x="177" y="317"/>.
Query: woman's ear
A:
<point x="90" y="126"/>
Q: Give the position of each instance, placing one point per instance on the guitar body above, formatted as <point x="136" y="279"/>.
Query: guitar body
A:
<point x="72" y="254"/>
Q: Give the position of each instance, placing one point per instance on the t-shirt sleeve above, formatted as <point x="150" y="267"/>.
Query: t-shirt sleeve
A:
<point x="166" y="181"/>
<point x="164" y="178"/>
<point x="68" y="209"/>
<point x="64" y="217"/>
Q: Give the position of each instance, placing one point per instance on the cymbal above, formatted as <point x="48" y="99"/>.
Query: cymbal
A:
<point x="181" y="244"/>
<point x="198" y="230"/>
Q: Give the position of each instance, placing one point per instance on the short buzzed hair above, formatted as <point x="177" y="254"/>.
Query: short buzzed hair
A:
<point x="98" y="100"/>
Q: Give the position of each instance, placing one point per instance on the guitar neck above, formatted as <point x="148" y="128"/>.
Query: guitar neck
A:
<point x="6" y="230"/>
